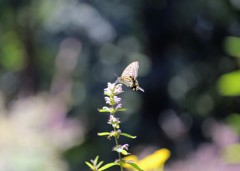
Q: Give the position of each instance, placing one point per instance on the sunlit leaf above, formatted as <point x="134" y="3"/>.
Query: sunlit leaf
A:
<point x="129" y="136"/>
<point x="103" y="133"/>
<point x="151" y="162"/>
<point x="229" y="84"/>
<point x="155" y="160"/>
<point x="121" y="109"/>
<point x="89" y="165"/>
<point x="99" y="164"/>
<point x="124" y="152"/>
<point x="135" y="166"/>
<point x="96" y="159"/>
<point x="232" y="46"/>
<point x="104" y="110"/>
<point x="108" y="166"/>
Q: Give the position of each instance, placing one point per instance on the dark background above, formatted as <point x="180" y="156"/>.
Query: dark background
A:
<point x="63" y="53"/>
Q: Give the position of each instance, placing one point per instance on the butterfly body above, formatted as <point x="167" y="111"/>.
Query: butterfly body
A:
<point x="129" y="76"/>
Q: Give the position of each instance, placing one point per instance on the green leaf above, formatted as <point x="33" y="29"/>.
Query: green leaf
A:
<point x="132" y="164"/>
<point x="104" y="110"/>
<point x="233" y="120"/>
<point x="99" y="164"/>
<point x="129" y="136"/>
<point x="135" y="166"/>
<point x="108" y="110"/>
<point x="124" y="152"/>
<point x="106" y="166"/>
<point x="96" y="159"/>
<point x="12" y="51"/>
<point x="232" y="46"/>
<point x="229" y="84"/>
<point x="121" y="109"/>
<point x="103" y="133"/>
<point x="89" y="165"/>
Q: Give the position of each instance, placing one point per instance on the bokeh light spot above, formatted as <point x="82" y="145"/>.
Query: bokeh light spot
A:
<point x="204" y="104"/>
<point x="177" y="87"/>
<point x="232" y="46"/>
<point x="229" y="84"/>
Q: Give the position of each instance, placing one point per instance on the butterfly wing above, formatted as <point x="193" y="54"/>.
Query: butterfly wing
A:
<point x="129" y="76"/>
<point x="131" y="70"/>
<point x="135" y="71"/>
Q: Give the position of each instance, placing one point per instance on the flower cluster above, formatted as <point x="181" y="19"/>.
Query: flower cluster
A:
<point x="113" y="89"/>
<point x="113" y="105"/>
<point x="111" y="97"/>
<point x="114" y="121"/>
<point x="121" y="149"/>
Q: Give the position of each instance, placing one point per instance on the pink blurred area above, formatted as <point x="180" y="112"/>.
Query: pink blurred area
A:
<point x="35" y="130"/>
<point x="211" y="156"/>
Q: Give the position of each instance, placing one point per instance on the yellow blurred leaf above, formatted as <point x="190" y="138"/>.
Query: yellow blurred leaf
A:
<point x="229" y="84"/>
<point x="231" y="154"/>
<point x="131" y="158"/>
<point x="153" y="161"/>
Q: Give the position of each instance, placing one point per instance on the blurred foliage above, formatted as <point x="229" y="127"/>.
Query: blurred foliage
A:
<point x="232" y="154"/>
<point x="228" y="84"/>
<point x="12" y="52"/>
<point x="154" y="161"/>
<point x="234" y="121"/>
<point x="34" y="133"/>
<point x="232" y="46"/>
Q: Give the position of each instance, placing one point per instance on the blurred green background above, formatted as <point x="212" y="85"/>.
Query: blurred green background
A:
<point x="56" y="58"/>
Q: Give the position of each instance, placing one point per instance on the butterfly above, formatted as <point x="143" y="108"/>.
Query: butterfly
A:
<point x="129" y="76"/>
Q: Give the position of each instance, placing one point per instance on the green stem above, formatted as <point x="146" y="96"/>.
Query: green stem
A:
<point x="119" y="154"/>
<point x="116" y="140"/>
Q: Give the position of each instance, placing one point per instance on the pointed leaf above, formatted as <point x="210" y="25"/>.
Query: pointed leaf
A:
<point x="135" y="166"/>
<point x="106" y="166"/>
<point x="132" y="164"/>
<point x="124" y="152"/>
<point x="103" y="133"/>
<point x="129" y="136"/>
<point x="121" y="109"/>
<point x="96" y="159"/>
<point x="104" y="110"/>
<point x="99" y="164"/>
<point x="89" y="165"/>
